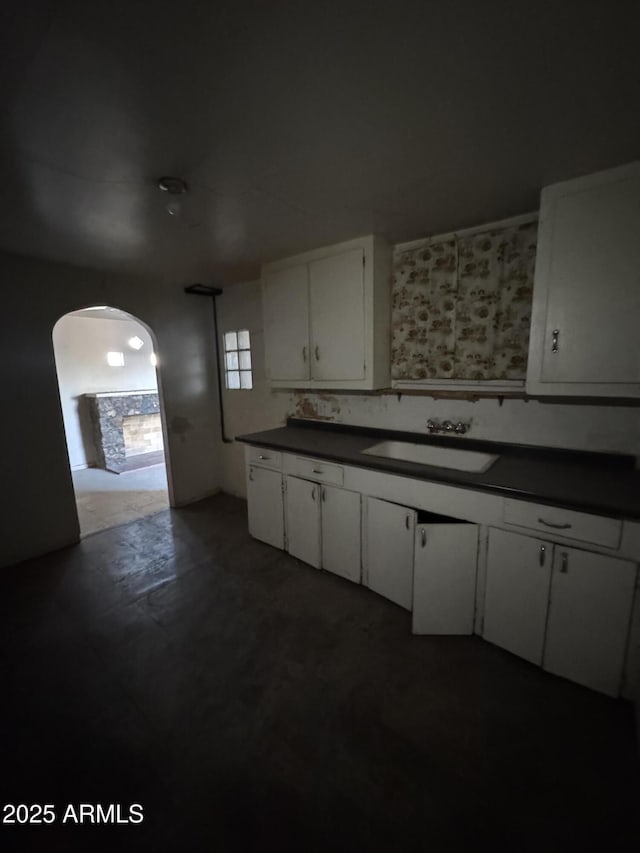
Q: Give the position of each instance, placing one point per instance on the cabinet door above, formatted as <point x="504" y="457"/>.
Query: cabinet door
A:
<point x="586" y="295"/>
<point x="589" y="613"/>
<point x="285" y="302"/>
<point x="517" y="593"/>
<point x="336" y="294"/>
<point x="341" y="532"/>
<point x="265" y="506"/>
<point x="389" y="533"/>
<point x="444" y="578"/>
<point x="303" y="520"/>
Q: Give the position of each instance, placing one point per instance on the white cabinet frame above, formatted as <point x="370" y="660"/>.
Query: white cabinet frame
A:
<point x="486" y="510"/>
<point x="376" y="317"/>
<point x="584" y="276"/>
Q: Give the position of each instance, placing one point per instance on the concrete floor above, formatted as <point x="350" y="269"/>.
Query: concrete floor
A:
<point x="249" y="702"/>
<point x="105" y="499"/>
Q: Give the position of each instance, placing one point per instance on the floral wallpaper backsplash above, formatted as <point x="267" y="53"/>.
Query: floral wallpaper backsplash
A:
<point x="461" y="308"/>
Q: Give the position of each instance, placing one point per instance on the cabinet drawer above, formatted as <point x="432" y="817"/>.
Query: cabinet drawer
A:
<point x="564" y="523"/>
<point x="322" y="472"/>
<point x="265" y="458"/>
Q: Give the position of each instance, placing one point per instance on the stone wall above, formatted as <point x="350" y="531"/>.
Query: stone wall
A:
<point x="107" y="414"/>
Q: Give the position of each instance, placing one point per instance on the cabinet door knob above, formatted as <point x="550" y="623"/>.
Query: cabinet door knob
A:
<point x="251" y="474"/>
<point x="317" y="352"/>
<point x="554" y="340"/>
<point x="407" y="521"/>
<point x="263" y="457"/>
<point x="304" y="354"/>
<point x="564" y="563"/>
<point x="323" y="494"/>
<point x="313" y="493"/>
<point x="316" y="470"/>
<point x="542" y="555"/>
<point x="423" y="537"/>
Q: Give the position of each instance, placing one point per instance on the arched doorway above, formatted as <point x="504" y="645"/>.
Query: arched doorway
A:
<point x="111" y="400"/>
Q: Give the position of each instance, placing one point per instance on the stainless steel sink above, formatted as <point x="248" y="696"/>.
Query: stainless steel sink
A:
<point x="428" y="454"/>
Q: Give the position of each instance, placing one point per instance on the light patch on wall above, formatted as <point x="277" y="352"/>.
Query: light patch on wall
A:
<point x="115" y="359"/>
<point x="153" y="358"/>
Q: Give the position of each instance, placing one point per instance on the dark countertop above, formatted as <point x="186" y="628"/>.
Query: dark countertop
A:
<point x="607" y="484"/>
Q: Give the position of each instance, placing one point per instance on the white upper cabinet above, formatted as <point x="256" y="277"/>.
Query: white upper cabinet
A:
<point x="338" y="337"/>
<point x="286" y="315"/>
<point x="327" y="317"/>
<point x="586" y="300"/>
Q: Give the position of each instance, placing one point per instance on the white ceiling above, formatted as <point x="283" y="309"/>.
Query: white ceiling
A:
<point x="296" y="123"/>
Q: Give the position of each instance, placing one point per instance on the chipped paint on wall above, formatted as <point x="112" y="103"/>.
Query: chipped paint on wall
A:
<point x="319" y="407"/>
<point x="584" y="427"/>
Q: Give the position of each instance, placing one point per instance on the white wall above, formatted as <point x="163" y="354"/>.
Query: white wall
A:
<point x="585" y="427"/>
<point x="240" y="307"/>
<point x="81" y="345"/>
<point x="39" y="512"/>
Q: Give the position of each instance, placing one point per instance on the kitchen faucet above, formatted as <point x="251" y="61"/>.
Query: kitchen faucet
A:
<point x="459" y="428"/>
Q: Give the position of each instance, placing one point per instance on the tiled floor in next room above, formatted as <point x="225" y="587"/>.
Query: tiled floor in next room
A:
<point x="249" y="702"/>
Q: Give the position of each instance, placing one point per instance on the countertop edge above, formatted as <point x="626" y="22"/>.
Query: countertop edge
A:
<point x="450" y="480"/>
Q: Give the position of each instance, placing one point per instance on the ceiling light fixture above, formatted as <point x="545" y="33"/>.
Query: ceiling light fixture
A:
<point x="135" y="342"/>
<point x="174" y="187"/>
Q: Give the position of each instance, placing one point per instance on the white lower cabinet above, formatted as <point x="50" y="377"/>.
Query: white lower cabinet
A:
<point x="589" y="614"/>
<point x="389" y="545"/>
<point x="517" y="593"/>
<point x="303" y="520"/>
<point x="563" y="608"/>
<point x="323" y="526"/>
<point x="265" y="505"/>
<point x="444" y="578"/>
<point x="340" y="522"/>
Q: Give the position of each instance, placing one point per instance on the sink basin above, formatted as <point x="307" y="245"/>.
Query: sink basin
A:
<point x="428" y="454"/>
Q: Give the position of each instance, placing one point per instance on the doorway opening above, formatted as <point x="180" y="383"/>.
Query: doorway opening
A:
<point x="113" y="416"/>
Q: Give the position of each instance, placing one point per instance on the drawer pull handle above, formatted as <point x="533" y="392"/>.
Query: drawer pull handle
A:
<point x="542" y="555"/>
<point x="263" y="457"/>
<point x="304" y="354"/>
<point x="564" y="563"/>
<point x="313" y="493"/>
<point x="316" y="470"/>
<point x="317" y="352"/>
<point x="323" y="494"/>
<point x="407" y="522"/>
<point x="423" y="537"/>
<point x="554" y="340"/>
<point x="555" y="526"/>
<point x="251" y="474"/>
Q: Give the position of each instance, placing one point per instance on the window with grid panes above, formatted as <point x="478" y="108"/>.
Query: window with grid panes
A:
<point x="237" y="360"/>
